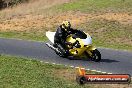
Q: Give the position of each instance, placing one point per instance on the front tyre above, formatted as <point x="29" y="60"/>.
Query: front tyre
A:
<point x="96" y="56"/>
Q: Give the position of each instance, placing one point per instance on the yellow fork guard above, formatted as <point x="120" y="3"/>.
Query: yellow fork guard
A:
<point x="89" y="49"/>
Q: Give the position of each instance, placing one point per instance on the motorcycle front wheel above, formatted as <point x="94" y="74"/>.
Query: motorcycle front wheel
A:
<point x="96" y="56"/>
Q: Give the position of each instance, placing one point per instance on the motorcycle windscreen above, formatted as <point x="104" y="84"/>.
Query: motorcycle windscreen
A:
<point x="50" y="36"/>
<point x="87" y="41"/>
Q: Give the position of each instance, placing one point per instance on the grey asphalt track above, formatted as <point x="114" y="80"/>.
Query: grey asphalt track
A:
<point x="113" y="61"/>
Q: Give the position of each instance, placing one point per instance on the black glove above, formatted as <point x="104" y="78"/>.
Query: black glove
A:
<point x="77" y="44"/>
<point x="68" y="43"/>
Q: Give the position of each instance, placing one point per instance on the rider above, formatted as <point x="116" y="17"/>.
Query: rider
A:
<point x="61" y="34"/>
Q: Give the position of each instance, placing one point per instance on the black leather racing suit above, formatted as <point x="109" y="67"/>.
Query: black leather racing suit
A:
<point x="60" y="38"/>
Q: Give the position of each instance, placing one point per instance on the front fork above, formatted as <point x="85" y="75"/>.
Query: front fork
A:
<point x="90" y="49"/>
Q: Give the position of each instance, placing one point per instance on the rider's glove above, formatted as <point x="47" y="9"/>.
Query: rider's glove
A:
<point x="68" y="43"/>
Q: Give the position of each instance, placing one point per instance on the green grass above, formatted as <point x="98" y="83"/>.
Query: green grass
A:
<point x="97" y="6"/>
<point x="109" y="34"/>
<point x="23" y="35"/>
<point x="18" y="72"/>
<point x="21" y="72"/>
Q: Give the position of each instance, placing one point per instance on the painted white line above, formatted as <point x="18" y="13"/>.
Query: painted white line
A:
<point x="103" y="72"/>
<point x="93" y="70"/>
<point x="72" y="66"/>
<point x="87" y="69"/>
<point x="98" y="71"/>
<point x="54" y="63"/>
<point x="82" y="68"/>
<point x="58" y="64"/>
<point x="41" y="61"/>
<point x="76" y="67"/>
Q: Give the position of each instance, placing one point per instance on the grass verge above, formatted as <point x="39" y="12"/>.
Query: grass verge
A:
<point x="96" y="6"/>
<point x="20" y="72"/>
<point x="111" y="34"/>
<point x="23" y="36"/>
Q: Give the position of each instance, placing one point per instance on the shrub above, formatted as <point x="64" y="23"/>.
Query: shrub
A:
<point x="10" y="3"/>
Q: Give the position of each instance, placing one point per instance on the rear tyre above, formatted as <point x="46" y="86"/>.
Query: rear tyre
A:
<point x="96" y="56"/>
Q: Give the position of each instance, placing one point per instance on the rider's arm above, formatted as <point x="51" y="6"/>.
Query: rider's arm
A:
<point x="60" y="35"/>
<point x="59" y="32"/>
<point x="73" y="31"/>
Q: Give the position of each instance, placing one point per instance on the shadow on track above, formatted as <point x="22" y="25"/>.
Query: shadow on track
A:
<point x="108" y="60"/>
<point x="102" y="60"/>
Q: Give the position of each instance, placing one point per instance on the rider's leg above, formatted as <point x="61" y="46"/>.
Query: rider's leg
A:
<point x="55" y="42"/>
<point x="62" y="47"/>
<point x="66" y="49"/>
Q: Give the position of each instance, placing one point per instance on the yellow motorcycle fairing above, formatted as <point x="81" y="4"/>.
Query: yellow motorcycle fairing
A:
<point x="82" y="49"/>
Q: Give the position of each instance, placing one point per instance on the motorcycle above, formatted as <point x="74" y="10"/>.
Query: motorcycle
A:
<point x="81" y="46"/>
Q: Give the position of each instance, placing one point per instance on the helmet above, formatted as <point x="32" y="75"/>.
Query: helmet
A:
<point x="66" y="25"/>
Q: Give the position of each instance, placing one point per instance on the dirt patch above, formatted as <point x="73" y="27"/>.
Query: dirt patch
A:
<point x="123" y="18"/>
<point x="39" y="22"/>
<point x="28" y="22"/>
<point x="67" y="74"/>
<point x="33" y="7"/>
